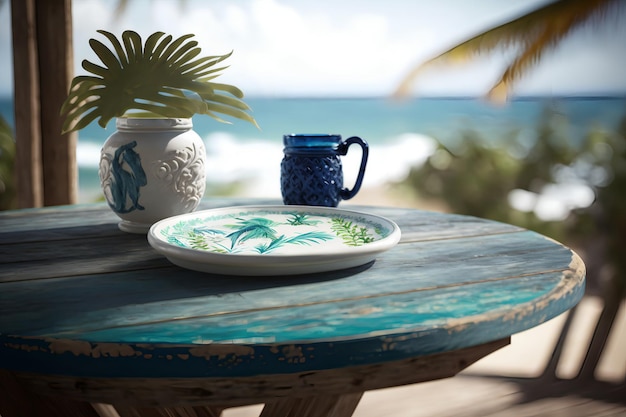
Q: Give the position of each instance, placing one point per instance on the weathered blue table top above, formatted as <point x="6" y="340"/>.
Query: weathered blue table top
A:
<point x="79" y="297"/>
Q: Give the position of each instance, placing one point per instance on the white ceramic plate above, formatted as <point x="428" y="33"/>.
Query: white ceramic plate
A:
<point x="273" y="240"/>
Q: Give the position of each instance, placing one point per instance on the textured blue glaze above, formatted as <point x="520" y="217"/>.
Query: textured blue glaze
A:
<point x="311" y="172"/>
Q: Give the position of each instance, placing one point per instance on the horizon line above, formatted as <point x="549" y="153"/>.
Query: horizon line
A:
<point x="579" y="96"/>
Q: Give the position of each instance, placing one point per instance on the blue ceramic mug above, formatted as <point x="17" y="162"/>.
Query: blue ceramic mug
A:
<point x="311" y="173"/>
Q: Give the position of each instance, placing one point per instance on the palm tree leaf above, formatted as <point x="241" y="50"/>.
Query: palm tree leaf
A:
<point x="85" y="120"/>
<point x="161" y="78"/>
<point x="72" y="123"/>
<point x="213" y="107"/>
<point x="79" y="87"/>
<point x="182" y="104"/>
<point x="173" y="91"/>
<point x="529" y="57"/>
<point x="132" y="43"/>
<point x="168" y="106"/>
<point x="172" y="47"/>
<point x="183" y="50"/>
<point x="160" y="47"/>
<point x="151" y="43"/>
<point x="78" y="109"/>
<point x="216" y="117"/>
<point x="229" y="101"/>
<point x="106" y="56"/>
<point x="209" y="74"/>
<point x="84" y="91"/>
<point x="534" y="33"/>
<point x="81" y="79"/>
<point x="182" y="63"/>
<point x="152" y="109"/>
<point x="83" y="103"/>
<point x="196" y="66"/>
<point x="204" y="63"/>
<point x="231" y="89"/>
<point x="551" y="35"/>
<point x="137" y="43"/>
<point x="93" y="68"/>
<point x="202" y="89"/>
<point x="121" y="55"/>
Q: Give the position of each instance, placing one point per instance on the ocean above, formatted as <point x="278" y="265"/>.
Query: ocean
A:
<point x="243" y="160"/>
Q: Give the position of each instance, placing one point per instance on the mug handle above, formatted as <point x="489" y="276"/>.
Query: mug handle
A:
<point x="342" y="149"/>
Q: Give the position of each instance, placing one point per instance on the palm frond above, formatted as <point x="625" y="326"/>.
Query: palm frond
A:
<point x="121" y="55"/>
<point x="160" y="47"/>
<point x="533" y="34"/>
<point x="153" y="78"/>
<point x="151" y="43"/>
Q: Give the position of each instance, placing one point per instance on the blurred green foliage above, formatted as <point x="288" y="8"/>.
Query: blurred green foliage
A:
<point x="477" y="175"/>
<point x="8" y="199"/>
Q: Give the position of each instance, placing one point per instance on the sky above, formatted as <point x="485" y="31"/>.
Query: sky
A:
<point x="350" y="47"/>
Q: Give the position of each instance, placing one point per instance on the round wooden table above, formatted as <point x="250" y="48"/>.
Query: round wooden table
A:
<point x="90" y="314"/>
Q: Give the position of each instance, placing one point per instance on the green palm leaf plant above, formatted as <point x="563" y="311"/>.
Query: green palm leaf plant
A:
<point x="532" y="34"/>
<point x="162" y="77"/>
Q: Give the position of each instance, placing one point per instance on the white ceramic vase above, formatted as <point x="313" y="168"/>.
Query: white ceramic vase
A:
<point x="151" y="169"/>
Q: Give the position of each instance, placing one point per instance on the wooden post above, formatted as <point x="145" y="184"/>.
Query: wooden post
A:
<point x="54" y="39"/>
<point x="28" y="162"/>
<point x="46" y="169"/>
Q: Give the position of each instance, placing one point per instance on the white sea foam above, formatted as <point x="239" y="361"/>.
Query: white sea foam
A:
<point x="253" y="163"/>
<point x="88" y="154"/>
<point x="392" y="161"/>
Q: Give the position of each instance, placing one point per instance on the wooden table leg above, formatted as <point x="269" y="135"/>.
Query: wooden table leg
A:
<point x="126" y="411"/>
<point x="15" y="401"/>
<point x="320" y="406"/>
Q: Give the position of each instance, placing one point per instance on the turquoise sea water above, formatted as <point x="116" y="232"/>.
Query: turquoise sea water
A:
<point x="399" y="134"/>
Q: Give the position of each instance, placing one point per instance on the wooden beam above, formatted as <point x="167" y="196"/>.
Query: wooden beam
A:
<point x="54" y="39"/>
<point x="28" y="163"/>
<point x="46" y="169"/>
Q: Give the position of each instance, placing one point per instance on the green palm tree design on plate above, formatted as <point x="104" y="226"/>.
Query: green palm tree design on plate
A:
<point x="207" y="238"/>
<point x="352" y="234"/>
<point x="255" y="228"/>
<point x="262" y="228"/>
<point x="302" y="239"/>
<point x="301" y="219"/>
<point x="265" y="235"/>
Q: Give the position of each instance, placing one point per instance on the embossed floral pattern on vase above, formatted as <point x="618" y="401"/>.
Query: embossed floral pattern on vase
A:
<point x="183" y="171"/>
